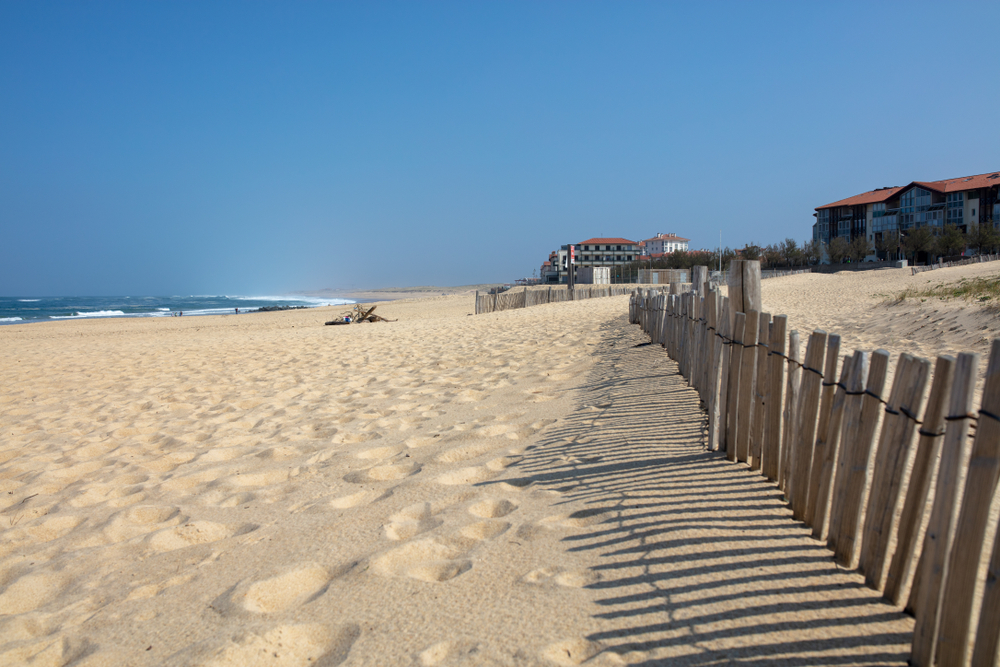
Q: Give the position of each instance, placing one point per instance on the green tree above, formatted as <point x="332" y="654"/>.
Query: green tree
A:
<point x="751" y="251"/>
<point x="812" y="252"/>
<point x="888" y="243"/>
<point x="790" y="251"/>
<point x="859" y="248"/>
<point x="837" y="249"/>
<point x="952" y="241"/>
<point x="984" y="238"/>
<point x="772" y="255"/>
<point x="919" y="239"/>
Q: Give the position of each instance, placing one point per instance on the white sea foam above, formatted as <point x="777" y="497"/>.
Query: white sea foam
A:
<point x="28" y="300"/>
<point x="10" y="319"/>
<point x="96" y="313"/>
<point x="166" y="310"/>
<point x="311" y="301"/>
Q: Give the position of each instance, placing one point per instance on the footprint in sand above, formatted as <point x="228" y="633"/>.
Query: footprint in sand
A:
<point x="455" y="652"/>
<point x="484" y="530"/>
<point x="262" y="478"/>
<point x="571" y="651"/>
<point x="223" y="454"/>
<point x="32" y="591"/>
<point x="195" y="532"/>
<point x="492" y="508"/>
<point x="283" y="453"/>
<point x="469" y="451"/>
<point x="411" y="521"/>
<point x="383" y="473"/>
<point x="46" y="530"/>
<point x="422" y="441"/>
<point x="379" y="453"/>
<point x="152" y="590"/>
<point x="49" y="651"/>
<point x="562" y="577"/>
<point x="427" y="560"/>
<point x="286" y="646"/>
<point x="292" y="588"/>
<point x="582" y="518"/>
<point x="360" y="498"/>
<point x="139" y="521"/>
<point x="470" y="475"/>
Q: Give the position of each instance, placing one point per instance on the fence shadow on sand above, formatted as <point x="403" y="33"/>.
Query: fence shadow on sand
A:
<point x="699" y="562"/>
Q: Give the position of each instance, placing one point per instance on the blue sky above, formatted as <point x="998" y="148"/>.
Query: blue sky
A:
<point x="190" y="147"/>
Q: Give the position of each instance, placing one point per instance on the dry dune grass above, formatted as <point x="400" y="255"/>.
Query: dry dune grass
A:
<point x="525" y="487"/>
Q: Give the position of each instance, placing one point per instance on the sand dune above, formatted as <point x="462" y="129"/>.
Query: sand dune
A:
<point x="525" y="487"/>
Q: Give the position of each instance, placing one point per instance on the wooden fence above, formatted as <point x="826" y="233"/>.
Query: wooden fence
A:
<point x="978" y="259"/>
<point x="491" y="303"/>
<point x="899" y="485"/>
<point x="778" y="273"/>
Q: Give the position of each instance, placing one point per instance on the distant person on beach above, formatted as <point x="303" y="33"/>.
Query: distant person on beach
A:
<point x="237" y="311"/>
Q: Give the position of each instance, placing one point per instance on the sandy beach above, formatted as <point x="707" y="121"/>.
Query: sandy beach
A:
<point x="525" y="487"/>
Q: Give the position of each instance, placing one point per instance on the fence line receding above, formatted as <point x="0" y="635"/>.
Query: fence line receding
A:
<point x="898" y="481"/>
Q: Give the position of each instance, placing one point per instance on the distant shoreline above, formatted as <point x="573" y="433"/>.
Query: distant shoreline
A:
<point x="394" y="293"/>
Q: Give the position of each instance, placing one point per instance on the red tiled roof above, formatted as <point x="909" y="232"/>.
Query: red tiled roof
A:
<point x="873" y="197"/>
<point x="986" y="180"/>
<point x="963" y="183"/>
<point x="615" y="241"/>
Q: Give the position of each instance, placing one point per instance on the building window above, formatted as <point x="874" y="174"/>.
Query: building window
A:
<point x="955" y="204"/>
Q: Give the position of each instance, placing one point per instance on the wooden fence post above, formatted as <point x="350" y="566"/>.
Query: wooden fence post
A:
<point x="852" y="374"/>
<point x="812" y="381"/>
<point x="732" y="401"/>
<point x="935" y="560"/>
<point x="861" y="418"/>
<point x="776" y="379"/>
<point x="761" y="390"/>
<point x="699" y="274"/>
<point x="712" y="386"/>
<point x="858" y="471"/>
<point x="744" y="285"/>
<point x="745" y="396"/>
<point x="984" y="652"/>
<point x="970" y="535"/>
<point x="892" y="459"/>
<point x="913" y="520"/>
<point x="825" y="406"/>
<point x="725" y="351"/>
<point x="790" y="413"/>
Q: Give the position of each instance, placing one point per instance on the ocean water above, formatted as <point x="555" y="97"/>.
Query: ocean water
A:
<point x="26" y="309"/>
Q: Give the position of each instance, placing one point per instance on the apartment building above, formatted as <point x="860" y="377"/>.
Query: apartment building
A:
<point x="595" y="252"/>
<point x="965" y="202"/>
<point x="664" y="244"/>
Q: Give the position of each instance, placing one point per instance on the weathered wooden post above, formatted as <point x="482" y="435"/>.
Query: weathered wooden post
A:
<point x="935" y="559"/>
<point x="699" y="274"/>
<point x="745" y="397"/>
<point x="790" y="414"/>
<point x="913" y="520"/>
<point x="744" y="286"/>
<point x="971" y="530"/>
<point x="761" y="391"/>
<point x="807" y="418"/>
<point x="825" y="406"/>
<point x="735" y="365"/>
<point x="775" y="398"/>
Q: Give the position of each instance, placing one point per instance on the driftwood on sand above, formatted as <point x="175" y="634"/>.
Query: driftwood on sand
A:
<point x="359" y="314"/>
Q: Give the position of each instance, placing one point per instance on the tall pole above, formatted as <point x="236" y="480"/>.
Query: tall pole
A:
<point x="720" y="251"/>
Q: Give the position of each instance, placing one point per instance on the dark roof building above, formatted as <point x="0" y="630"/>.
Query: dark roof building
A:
<point x="965" y="202"/>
